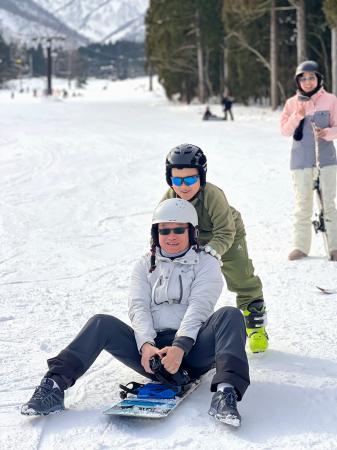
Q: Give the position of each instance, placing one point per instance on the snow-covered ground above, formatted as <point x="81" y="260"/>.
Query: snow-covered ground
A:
<point x="79" y="179"/>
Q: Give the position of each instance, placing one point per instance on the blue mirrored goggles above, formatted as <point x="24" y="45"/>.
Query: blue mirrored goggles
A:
<point x="188" y="181"/>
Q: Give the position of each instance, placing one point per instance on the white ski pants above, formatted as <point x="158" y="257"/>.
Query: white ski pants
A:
<point x="304" y="194"/>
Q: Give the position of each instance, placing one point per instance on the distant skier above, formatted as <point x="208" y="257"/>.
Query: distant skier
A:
<point x="311" y="103"/>
<point x="227" y="103"/>
<point x="222" y="232"/>
<point x="174" y="290"/>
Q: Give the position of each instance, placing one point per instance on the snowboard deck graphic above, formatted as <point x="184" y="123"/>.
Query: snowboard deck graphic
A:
<point x="150" y="408"/>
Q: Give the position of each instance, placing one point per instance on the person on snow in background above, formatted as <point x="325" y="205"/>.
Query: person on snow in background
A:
<point x="208" y="115"/>
<point x="310" y="104"/>
<point x="227" y="103"/>
<point x="222" y="233"/>
<point x="174" y="290"/>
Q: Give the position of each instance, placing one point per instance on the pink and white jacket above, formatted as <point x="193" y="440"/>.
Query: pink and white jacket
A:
<point x="321" y="109"/>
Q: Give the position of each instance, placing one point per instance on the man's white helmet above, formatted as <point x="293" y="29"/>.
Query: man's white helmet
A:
<point x="175" y="210"/>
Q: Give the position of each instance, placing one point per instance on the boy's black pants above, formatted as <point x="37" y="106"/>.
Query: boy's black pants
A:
<point x="220" y="343"/>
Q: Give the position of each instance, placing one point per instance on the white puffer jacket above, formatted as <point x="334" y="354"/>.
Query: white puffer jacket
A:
<point x="180" y="294"/>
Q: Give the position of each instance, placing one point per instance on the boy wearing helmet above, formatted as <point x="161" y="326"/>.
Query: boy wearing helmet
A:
<point x="312" y="104"/>
<point x="222" y="233"/>
<point x="173" y="293"/>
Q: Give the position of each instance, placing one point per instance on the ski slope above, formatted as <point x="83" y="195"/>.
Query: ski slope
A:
<point x="79" y="179"/>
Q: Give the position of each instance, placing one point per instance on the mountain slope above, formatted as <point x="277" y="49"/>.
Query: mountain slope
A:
<point x="25" y="19"/>
<point x="80" y="21"/>
<point x="101" y="20"/>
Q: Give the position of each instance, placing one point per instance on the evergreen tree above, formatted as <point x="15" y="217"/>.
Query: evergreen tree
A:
<point x="122" y="59"/>
<point x="5" y="60"/>
<point x="212" y="34"/>
<point x="247" y="32"/>
<point x="206" y="44"/>
<point x="184" y="45"/>
<point x="171" y="46"/>
<point x="39" y="62"/>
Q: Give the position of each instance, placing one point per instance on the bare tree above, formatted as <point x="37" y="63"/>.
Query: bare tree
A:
<point x="247" y="11"/>
<point x="334" y="58"/>
<point x="273" y="57"/>
<point x="225" y="63"/>
<point x="330" y="11"/>
<point x="300" y="25"/>
<point x="242" y="41"/>
<point x="200" y="59"/>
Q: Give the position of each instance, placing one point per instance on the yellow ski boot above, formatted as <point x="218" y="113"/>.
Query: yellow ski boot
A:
<point x="255" y="319"/>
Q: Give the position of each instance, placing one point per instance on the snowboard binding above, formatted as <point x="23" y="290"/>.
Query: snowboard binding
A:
<point x="171" y="385"/>
<point x="149" y="390"/>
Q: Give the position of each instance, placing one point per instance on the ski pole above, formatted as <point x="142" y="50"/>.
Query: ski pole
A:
<point x="319" y="223"/>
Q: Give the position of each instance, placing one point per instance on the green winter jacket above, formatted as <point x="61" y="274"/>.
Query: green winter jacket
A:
<point x="219" y="223"/>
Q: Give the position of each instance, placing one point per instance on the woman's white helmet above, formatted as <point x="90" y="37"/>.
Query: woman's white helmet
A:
<point x="175" y="210"/>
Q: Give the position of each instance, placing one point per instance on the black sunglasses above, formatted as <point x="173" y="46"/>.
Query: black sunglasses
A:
<point x="166" y="231"/>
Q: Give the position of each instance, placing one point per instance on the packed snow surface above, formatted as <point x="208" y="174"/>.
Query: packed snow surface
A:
<point x="79" y="179"/>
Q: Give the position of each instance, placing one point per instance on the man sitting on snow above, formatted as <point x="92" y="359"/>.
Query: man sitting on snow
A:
<point x="174" y="290"/>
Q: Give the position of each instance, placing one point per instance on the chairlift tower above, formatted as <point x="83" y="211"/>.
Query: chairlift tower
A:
<point x="48" y="41"/>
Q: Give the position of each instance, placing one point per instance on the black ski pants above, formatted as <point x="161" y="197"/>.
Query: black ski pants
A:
<point x="220" y="343"/>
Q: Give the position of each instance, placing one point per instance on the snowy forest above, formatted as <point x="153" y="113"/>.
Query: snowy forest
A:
<point x="200" y="47"/>
<point x="249" y="46"/>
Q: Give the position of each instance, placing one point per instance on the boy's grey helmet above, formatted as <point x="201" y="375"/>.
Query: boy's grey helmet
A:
<point x="186" y="155"/>
<point x="175" y="210"/>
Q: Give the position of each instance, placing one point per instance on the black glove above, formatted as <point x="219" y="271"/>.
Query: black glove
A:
<point x="179" y="378"/>
<point x="298" y="133"/>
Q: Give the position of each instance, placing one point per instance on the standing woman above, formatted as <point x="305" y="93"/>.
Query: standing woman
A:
<point x="311" y="104"/>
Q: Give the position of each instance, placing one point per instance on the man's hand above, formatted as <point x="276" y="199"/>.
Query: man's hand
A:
<point x="148" y="351"/>
<point x="321" y="132"/>
<point x="171" y="358"/>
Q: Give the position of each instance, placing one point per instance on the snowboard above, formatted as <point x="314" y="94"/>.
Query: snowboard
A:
<point x="150" y="408"/>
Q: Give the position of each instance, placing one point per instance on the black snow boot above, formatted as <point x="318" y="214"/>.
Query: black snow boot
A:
<point x="47" y="398"/>
<point x="223" y="407"/>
